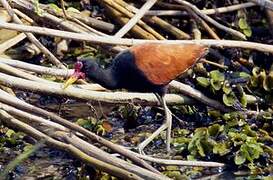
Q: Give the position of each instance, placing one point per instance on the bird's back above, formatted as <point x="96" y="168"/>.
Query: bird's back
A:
<point x="129" y="76"/>
<point x="162" y="63"/>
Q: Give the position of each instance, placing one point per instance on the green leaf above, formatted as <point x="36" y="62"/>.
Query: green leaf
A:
<point x="269" y="81"/>
<point x="174" y="174"/>
<point x="255" y="150"/>
<point x="255" y="77"/>
<point x="244" y="75"/>
<point x="243" y="100"/>
<point x="71" y="9"/>
<point x="262" y="77"/>
<point x="239" y="158"/>
<point x="242" y="23"/>
<point x="214" y="113"/>
<point x="227" y="116"/>
<point x="55" y="7"/>
<point x="214" y="130"/>
<point x="203" y="81"/>
<point x="229" y="99"/>
<point x="200" y="148"/>
<point x="226" y="88"/>
<point x="9" y="133"/>
<point x="181" y="140"/>
<point x="248" y="32"/>
<point x="88" y="124"/>
<point x="172" y="168"/>
<point x="191" y="158"/>
<point x="216" y="85"/>
<point x="37" y="8"/>
<point x="217" y="75"/>
<point x="248" y="131"/>
<point x="237" y="137"/>
<point x="199" y="144"/>
<point x="221" y="149"/>
<point x="245" y="152"/>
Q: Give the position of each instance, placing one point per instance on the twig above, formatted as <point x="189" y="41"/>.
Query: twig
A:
<point x="203" y="23"/>
<point x="93" y="22"/>
<point x="89" y="149"/>
<point x="11" y="121"/>
<point x="214" y="64"/>
<point x="11" y="42"/>
<point x="121" y="10"/>
<point x="180" y="162"/>
<point x="205" y="11"/>
<point x="107" y="97"/>
<point x="19" y="73"/>
<point x="63" y="8"/>
<point x="80" y="144"/>
<point x="189" y="91"/>
<point x="195" y="30"/>
<point x="101" y="155"/>
<point x="166" y="26"/>
<point x="11" y="100"/>
<point x="44" y="70"/>
<point x="129" y="42"/>
<point x="28" y="6"/>
<point x="136" y="18"/>
<point x="32" y="38"/>
<point x="24" y="16"/>
<point x="137" y="31"/>
<point x="36" y="68"/>
<point x="32" y="119"/>
<point x="193" y="14"/>
<point x="228" y="8"/>
<point x="209" y="19"/>
<point x="264" y="3"/>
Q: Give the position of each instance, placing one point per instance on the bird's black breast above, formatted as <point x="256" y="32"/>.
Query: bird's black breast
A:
<point x="130" y="77"/>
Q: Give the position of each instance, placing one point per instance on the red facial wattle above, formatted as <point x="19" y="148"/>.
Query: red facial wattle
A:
<point x="76" y="75"/>
<point x="77" y="70"/>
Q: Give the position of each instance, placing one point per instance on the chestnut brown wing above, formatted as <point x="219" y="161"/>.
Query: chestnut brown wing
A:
<point x="162" y="63"/>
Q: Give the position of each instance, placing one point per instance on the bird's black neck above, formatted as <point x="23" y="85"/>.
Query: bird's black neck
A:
<point x="104" y="77"/>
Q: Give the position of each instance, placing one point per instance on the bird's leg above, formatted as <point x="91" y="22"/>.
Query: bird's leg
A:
<point x="166" y="125"/>
<point x="168" y="121"/>
<point x="159" y="98"/>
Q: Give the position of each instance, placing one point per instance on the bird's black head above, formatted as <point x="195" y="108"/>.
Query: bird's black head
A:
<point x="86" y="66"/>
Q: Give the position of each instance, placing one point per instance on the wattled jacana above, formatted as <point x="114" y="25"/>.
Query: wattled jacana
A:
<point x="143" y="68"/>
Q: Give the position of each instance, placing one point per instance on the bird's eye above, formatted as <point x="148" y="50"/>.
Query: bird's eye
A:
<point x="78" y="65"/>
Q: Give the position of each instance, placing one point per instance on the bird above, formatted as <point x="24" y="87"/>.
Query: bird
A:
<point x="147" y="67"/>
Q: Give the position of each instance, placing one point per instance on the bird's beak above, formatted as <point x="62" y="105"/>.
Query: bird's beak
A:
<point x="70" y="81"/>
<point x="73" y="78"/>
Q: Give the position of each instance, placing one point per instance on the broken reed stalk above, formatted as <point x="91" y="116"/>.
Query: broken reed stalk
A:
<point x="112" y="97"/>
<point x="60" y="132"/>
<point x="6" y="98"/>
<point x="13" y="122"/>
<point x="135" y="18"/>
<point x="118" y="12"/>
<point x="218" y="10"/>
<point x="212" y="21"/>
<point x="107" y="97"/>
<point x="136" y="30"/>
<point x="31" y="37"/>
<point x="13" y="101"/>
<point x="191" y="13"/>
<point x="267" y="48"/>
<point x="176" y="32"/>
